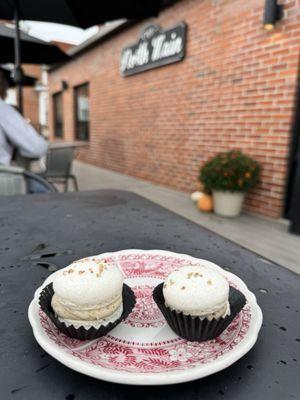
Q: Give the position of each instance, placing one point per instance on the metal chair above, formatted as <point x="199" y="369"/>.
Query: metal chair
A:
<point x="16" y="180"/>
<point x="59" y="165"/>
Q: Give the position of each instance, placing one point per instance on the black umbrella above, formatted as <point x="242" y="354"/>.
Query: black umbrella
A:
<point x="82" y="13"/>
<point x="34" y="51"/>
<point x="26" y="81"/>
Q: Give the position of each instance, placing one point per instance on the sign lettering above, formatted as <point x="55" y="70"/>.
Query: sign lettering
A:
<point x="155" y="48"/>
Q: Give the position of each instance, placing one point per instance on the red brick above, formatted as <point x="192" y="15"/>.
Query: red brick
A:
<point x="235" y="89"/>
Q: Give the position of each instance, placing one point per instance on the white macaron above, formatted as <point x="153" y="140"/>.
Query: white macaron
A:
<point x="198" y="291"/>
<point x="88" y="282"/>
<point x="88" y="290"/>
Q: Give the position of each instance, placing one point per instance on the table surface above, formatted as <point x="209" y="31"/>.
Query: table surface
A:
<point x="64" y="227"/>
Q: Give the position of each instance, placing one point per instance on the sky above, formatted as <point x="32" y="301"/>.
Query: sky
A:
<point x="57" y="32"/>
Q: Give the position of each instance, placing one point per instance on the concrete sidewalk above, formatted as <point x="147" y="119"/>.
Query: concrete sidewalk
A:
<point x="267" y="237"/>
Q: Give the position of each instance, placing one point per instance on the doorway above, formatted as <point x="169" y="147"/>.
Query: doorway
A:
<point x="292" y="205"/>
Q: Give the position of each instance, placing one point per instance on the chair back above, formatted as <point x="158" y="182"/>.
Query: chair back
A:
<point x="59" y="162"/>
<point x="37" y="184"/>
<point x="15" y="180"/>
<point x="12" y="181"/>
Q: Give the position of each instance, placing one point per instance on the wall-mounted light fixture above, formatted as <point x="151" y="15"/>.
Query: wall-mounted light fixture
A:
<point x="273" y="13"/>
<point x="64" y="85"/>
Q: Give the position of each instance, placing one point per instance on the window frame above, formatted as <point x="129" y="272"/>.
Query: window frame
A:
<point x="54" y="97"/>
<point x="76" y="121"/>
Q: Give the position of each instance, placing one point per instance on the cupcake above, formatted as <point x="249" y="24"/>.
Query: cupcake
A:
<point x="87" y="299"/>
<point x="198" y="302"/>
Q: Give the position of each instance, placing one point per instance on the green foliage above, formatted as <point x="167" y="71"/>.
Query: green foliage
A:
<point x="231" y="171"/>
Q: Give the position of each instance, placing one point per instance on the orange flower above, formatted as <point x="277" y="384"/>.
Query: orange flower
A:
<point x="240" y="182"/>
<point x="248" y="175"/>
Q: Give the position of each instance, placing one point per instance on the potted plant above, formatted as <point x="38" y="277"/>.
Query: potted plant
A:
<point x="229" y="176"/>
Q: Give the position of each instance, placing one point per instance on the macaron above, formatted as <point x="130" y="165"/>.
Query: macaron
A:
<point x="88" y="293"/>
<point x="197" y="301"/>
<point x="197" y="290"/>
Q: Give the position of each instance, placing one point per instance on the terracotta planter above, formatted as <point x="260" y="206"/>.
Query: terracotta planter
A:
<point x="228" y="204"/>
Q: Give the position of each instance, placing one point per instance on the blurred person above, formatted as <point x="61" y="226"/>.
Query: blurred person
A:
<point x="17" y="136"/>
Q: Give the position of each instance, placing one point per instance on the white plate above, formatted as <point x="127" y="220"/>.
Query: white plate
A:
<point x="143" y="350"/>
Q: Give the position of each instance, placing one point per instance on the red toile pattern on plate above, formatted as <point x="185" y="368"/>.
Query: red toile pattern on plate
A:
<point x="145" y="313"/>
<point x="143" y="264"/>
<point x="128" y="348"/>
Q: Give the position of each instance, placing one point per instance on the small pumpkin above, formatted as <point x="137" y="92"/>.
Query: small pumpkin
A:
<point x="205" y="203"/>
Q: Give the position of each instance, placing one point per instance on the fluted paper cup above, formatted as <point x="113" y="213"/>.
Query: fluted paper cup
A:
<point x="82" y="333"/>
<point x="196" y="329"/>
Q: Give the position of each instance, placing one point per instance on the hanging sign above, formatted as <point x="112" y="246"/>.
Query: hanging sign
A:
<point x="155" y="48"/>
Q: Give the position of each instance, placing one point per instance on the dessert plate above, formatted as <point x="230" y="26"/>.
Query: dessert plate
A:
<point x="143" y="350"/>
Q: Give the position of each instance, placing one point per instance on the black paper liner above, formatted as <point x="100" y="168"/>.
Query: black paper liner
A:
<point x="193" y="328"/>
<point x="82" y="333"/>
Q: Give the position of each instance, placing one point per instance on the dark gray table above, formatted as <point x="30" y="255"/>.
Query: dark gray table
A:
<point x="59" y="228"/>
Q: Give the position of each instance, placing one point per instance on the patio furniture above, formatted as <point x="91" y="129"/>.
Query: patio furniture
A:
<point x="70" y="13"/>
<point x="59" y="165"/>
<point x="76" y="144"/>
<point x="65" y="227"/>
<point x="16" y="180"/>
<point x="34" y="51"/>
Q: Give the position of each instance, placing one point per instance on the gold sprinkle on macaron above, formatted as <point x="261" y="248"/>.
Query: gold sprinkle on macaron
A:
<point x="209" y="282"/>
<point x="182" y="287"/>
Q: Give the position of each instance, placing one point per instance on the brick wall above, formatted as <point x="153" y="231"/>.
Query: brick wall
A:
<point x="235" y="89"/>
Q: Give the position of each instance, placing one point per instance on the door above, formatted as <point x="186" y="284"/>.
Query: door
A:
<point x="292" y="209"/>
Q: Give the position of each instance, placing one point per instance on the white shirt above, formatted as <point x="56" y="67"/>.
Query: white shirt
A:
<point x="15" y="131"/>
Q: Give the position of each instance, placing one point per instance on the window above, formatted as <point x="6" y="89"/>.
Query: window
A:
<point x="82" y="108"/>
<point x="58" y="115"/>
